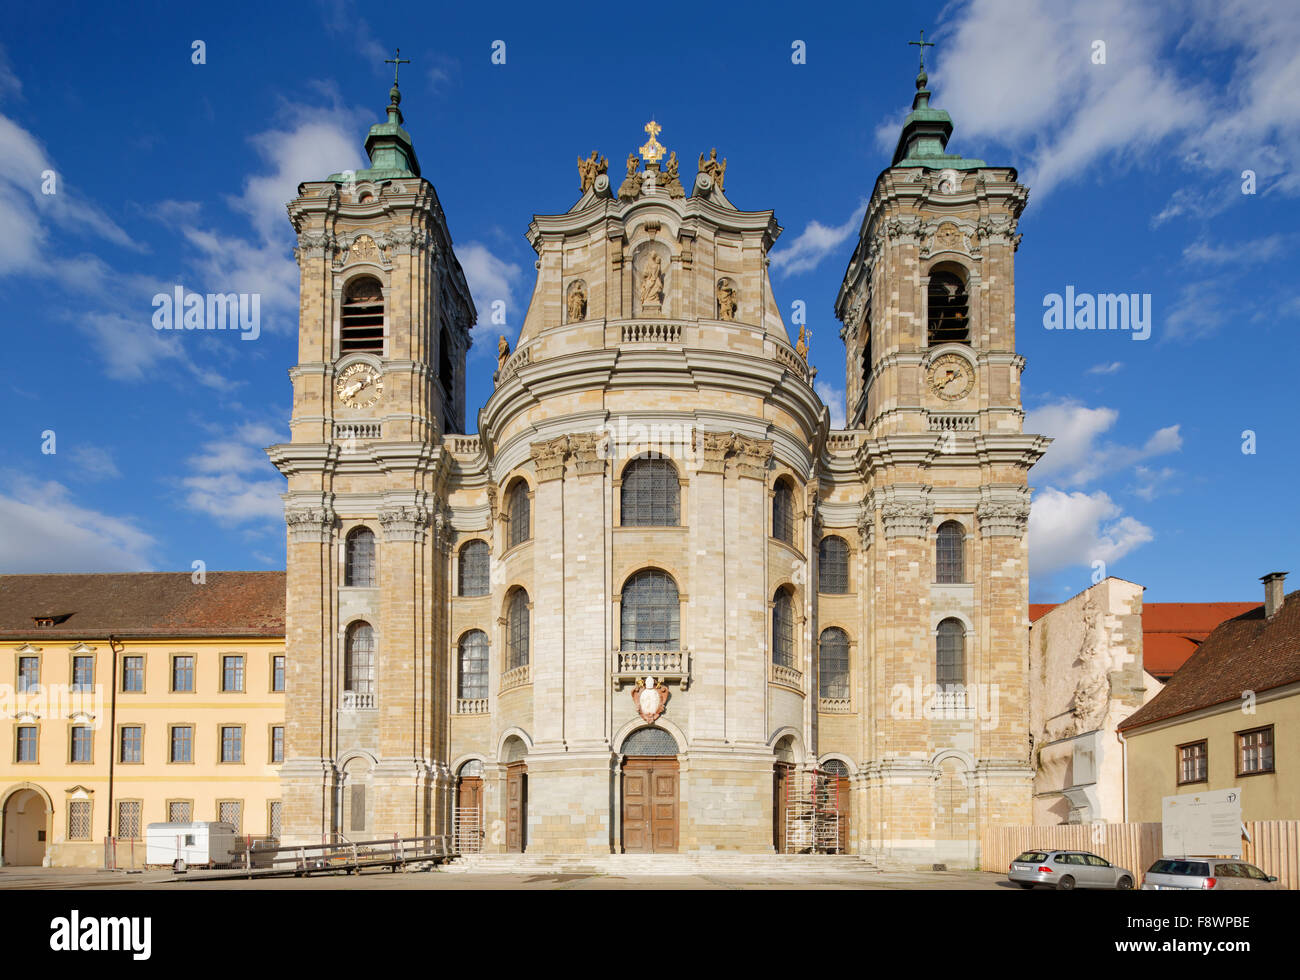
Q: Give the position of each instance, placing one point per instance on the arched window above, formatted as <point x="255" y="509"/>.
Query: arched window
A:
<point x="517" y="629"/>
<point x="359" y="552"/>
<point x="474" y="568"/>
<point x="473" y="665"/>
<point x="783" y="628"/>
<point x="517" y="513"/>
<point x="651" y="612"/>
<point x="359" y="659"/>
<point x="833" y="663"/>
<point x="949" y="553"/>
<point x="362" y="326"/>
<point x="445" y="372"/>
<point x="833" y="565"/>
<point x="783" y="512"/>
<point x="948" y="310"/>
<point x="950" y="655"/>
<point x="651" y="495"/>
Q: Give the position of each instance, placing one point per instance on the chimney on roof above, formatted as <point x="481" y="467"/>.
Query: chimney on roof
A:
<point x="1273" y="593"/>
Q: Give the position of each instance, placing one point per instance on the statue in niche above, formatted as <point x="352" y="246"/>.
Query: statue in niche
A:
<point x="589" y="168"/>
<point x="631" y="186"/>
<point x="652" y="281"/>
<point x="727" y="304"/>
<point x="711" y="166"/>
<point x="672" y="180"/>
<point x="577" y="301"/>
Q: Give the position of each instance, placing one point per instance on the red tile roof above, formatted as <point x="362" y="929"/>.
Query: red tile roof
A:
<point x="1246" y="653"/>
<point x="143" y="604"/>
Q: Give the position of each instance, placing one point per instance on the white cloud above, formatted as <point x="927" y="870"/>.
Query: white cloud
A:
<point x="1077" y="455"/>
<point x="1067" y="529"/>
<point x="233" y="481"/>
<point x="834" y="399"/>
<point x="1255" y="250"/>
<point x="94" y="463"/>
<point x="1154" y="482"/>
<point x="490" y="279"/>
<point x="46" y="532"/>
<point x="1021" y="72"/>
<point x="815" y="243"/>
<point x="1110" y="368"/>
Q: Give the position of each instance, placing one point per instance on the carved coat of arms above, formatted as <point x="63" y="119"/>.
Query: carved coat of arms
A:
<point x="650" y="699"/>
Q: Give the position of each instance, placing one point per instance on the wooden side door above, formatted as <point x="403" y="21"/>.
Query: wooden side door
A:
<point x="846" y="812"/>
<point x="650" y="788"/>
<point x="637" y="835"/>
<point x="516" y="806"/>
<point x="780" y="778"/>
<point x="663" y="805"/>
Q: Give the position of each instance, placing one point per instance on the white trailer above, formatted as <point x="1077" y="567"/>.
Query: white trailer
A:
<point x="201" y="843"/>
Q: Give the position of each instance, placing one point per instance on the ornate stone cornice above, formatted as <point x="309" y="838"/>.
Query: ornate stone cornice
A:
<point x="404" y="523"/>
<point x="1006" y="517"/>
<point x="310" y="524"/>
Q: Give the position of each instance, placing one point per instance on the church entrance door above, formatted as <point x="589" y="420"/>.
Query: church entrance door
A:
<point x="516" y="807"/>
<point x="650" y="805"/>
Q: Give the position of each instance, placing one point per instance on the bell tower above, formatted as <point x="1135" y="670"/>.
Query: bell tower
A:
<point x="933" y="384"/>
<point x="385" y="318"/>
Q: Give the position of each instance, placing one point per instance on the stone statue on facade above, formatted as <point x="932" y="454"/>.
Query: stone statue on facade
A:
<point x="631" y="186"/>
<point x="672" y="179"/>
<point x="503" y="351"/>
<point x="652" y="281"/>
<point x="589" y="168"/>
<point x="577" y="302"/>
<point x="726" y="295"/>
<point x="711" y="166"/>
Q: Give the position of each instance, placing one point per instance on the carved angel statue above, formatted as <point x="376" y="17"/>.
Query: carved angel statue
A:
<point x="503" y="350"/>
<point x="801" y="348"/>
<point x="652" y="280"/>
<point x="577" y="302"/>
<point x="631" y="164"/>
<point x="713" y="168"/>
<point x="631" y="187"/>
<point x="672" y="179"/>
<point x="589" y="168"/>
<point x="726" y="295"/>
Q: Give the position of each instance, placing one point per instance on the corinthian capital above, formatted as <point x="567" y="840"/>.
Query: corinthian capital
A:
<point x="1004" y="517"/>
<point x="309" y="524"/>
<point x="549" y="457"/>
<point x="404" y="523"/>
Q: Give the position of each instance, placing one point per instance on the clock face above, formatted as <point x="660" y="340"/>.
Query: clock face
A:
<point x="359" y="385"/>
<point x="951" y="377"/>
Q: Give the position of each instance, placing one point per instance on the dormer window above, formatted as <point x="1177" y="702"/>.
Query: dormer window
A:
<point x="58" y="619"/>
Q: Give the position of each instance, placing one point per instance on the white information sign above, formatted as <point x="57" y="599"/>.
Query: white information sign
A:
<point x="1203" y="824"/>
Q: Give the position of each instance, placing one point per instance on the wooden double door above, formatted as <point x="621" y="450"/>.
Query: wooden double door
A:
<point x="650" y="805"/>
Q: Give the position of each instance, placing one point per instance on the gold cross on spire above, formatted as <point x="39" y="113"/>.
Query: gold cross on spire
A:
<point x="652" y="151"/>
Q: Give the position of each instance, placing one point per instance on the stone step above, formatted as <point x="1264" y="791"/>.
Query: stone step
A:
<point x="668" y="864"/>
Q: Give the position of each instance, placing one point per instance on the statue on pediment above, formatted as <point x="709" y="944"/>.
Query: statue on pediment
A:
<point x="717" y="171"/>
<point x="631" y="186"/>
<point x="672" y="180"/>
<point x="589" y="168"/>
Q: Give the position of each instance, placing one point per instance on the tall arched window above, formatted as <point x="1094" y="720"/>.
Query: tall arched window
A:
<point x="362" y="322"/>
<point x="833" y="565"/>
<point x="950" y="655"/>
<point x="517" y="629"/>
<point x="651" y="495"/>
<point x="359" y="659"/>
<point x="783" y="628"/>
<point x="359" y="564"/>
<point x="783" y="511"/>
<point x="517" y="513"/>
<point x="474" y="568"/>
<point x="651" y="612"/>
<point x="949" y="553"/>
<point x="833" y="663"/>
<point x="948" y="310"/>
<point x="473" y="665"/>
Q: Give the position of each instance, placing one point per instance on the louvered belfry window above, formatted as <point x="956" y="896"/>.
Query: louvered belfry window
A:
<point x="474" y="568"/>
<point x="833" y="565"/>
<point x="950" y="655"/>
<point x="651" y="494"/>
<point x="783" y="629"/>
<point x="833" y="663"/>
<point x="948" y="313"/>
<point x="362" y="324"/>
<point x="651" y="612"/>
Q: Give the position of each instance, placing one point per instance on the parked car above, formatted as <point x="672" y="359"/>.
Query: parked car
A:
<point x="1206" y="874"/>
<point x="1067" y="870"/>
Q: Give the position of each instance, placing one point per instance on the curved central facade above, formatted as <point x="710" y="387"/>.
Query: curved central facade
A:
<point x="657" y="603"/>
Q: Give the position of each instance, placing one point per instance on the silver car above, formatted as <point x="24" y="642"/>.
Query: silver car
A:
<point x="1206" y="874"/>
<point x="1067" y="870"/>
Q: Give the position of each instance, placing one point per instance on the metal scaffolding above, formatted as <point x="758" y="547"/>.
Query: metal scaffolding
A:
<point x="812" y="813"/>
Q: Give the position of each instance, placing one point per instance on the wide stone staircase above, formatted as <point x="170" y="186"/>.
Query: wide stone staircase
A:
<point x="697" y="863"/>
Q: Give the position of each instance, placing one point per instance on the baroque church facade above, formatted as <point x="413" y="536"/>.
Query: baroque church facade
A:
<point x="657" y="603"/>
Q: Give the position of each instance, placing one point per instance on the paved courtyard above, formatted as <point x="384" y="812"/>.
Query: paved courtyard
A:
<point x="70" y="878"/>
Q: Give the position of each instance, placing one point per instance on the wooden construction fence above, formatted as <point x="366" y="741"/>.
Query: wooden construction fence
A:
<point x="1274" y="845"/>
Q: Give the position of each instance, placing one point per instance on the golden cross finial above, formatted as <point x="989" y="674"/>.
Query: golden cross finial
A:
<point x="651" y="152"/>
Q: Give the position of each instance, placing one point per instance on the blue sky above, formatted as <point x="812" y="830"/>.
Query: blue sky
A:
<point x="169" y="172"/>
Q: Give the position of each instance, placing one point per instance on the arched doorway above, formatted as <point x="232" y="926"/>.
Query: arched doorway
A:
<point x="650" y="792"/>
<point x="837" y="784"/>
<point x="469" y="807"/>
<point x="782" y="775"/>
<point x="356" y="805"/>
<point x="513" y="755"/>
<point x="25" y="821"/>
